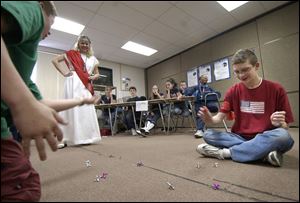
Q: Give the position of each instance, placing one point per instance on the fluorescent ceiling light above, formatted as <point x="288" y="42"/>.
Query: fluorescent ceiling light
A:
<point x="138" y="48"/>
<point x="67" y="26"/>
<point x="231" y="5"/>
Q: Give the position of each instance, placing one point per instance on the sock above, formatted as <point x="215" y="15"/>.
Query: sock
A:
<point x="226" y="153"/>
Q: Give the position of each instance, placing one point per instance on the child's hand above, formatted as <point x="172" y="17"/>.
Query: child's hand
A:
<point x="91" y="100"/>
<point x="37" y="121"/>
<point x="205" y="114"/>
<point x="278" y="118"/>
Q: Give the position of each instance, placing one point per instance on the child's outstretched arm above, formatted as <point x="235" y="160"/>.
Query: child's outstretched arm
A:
<point x="26" y="111"/>
<point x="64" y="104"/>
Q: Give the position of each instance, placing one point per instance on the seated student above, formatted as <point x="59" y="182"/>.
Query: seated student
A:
<point x="172" y="91"/>
<point x="199" y="92"/>
<point x="109" y="98"/>
<point x="153" y="113"/>
<point x="184" y="105"/>
<point x="128" y="119"/>
<point x="262" y="113"/>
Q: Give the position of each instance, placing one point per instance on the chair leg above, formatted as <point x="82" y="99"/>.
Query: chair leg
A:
<point x="191" y="123"/>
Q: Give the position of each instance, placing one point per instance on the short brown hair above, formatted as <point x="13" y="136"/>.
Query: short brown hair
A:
<point x="49" y="8"/>
<point x="132" y="87"/>
<point x="242" y="55"/>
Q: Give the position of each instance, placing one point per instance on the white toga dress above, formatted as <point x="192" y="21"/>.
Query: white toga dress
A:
<point x="83" y="127"/>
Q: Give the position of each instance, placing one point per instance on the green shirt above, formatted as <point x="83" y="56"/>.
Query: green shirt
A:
<point x="22" y="47"/>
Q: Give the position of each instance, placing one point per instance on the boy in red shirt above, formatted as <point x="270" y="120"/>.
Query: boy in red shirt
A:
<point x="262" y="114"/>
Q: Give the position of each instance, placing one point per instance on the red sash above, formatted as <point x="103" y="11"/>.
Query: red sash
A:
<point x="77" y="62"/>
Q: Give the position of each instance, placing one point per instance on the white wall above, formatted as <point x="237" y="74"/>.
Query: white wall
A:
<point x="51" y="82"/>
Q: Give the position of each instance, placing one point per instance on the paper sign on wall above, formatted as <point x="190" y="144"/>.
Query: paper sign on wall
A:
<point x="205" y="70"/>
<point x="192" y="78"/>
<point x="221" y="68"/>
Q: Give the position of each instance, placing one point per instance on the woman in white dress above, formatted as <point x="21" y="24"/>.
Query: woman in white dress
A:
<point x="83" y="127"/>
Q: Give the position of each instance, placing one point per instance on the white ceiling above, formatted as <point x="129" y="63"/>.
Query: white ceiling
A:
<point x="167" y="26"/>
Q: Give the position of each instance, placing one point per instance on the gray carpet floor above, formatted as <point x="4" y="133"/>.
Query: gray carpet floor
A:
<point x="164" y="159"/>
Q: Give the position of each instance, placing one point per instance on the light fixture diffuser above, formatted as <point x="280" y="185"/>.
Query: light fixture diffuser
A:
<point x="231" y="5"/>
<point x="67" y="26"/>
<point x="138" y="48"/>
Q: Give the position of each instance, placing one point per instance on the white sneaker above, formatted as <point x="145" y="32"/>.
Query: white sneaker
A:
<point x="133" y="132"/>
<point x="61" y="145"/>
<point x="210" y="151"/>
<point x="275" y="158"/>
<point x="147" y="128"/>
<point x="150" y="126"/>
<point x="138" y="132"/>
<point x="199" y="134"/>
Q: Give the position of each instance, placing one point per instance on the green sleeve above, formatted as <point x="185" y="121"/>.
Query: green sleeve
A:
<point x="29" y="18"/>
<point x="35" y="91"/>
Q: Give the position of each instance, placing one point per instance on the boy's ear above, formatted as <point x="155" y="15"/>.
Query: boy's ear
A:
<point x="256" y="65"/>
<point x="41" y="3"/>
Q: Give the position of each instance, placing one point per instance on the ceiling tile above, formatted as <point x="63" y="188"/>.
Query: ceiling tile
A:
<point x="149" y="41"/>
<point x="205" y="11"/>
<point x="149" y="8"/>
<point x="223" y="23"/>
<point x="248" y="11"/>
<point x="73" y="12"/>
<point x="269" y="5"/>
<point x="164" y="32"/>
<point x="103" y="49"/>
<point x="125" y="15"/>
<point x="90" y="5"/>
<point x="107" y="25"/>
<point x="103" y="37"/>
<point x="180" y="21"/>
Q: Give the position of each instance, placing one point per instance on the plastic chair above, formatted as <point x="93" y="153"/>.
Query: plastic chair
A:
<point x="190" y="116"/>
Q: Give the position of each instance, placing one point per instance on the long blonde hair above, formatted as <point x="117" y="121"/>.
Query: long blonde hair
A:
<point x="90" y="52"/>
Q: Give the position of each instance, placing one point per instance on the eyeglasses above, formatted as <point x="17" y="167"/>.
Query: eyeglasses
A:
<point x="242" y="71"/>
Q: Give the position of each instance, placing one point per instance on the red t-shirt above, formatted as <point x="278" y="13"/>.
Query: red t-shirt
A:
<point x="253" y="107"/>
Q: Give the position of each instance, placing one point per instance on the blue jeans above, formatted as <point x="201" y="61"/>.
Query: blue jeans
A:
<point x="129" y="120"/>
<point x="259" y="147"/>
<point x="213" y="108"/>
<point x="153" y="116"/>
<point x="174" y="110"/>
<point x="106" y="116"/>
<point x="16" y="134"/>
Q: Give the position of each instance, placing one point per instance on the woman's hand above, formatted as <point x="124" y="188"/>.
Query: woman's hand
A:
<point x="94" y="77"/>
